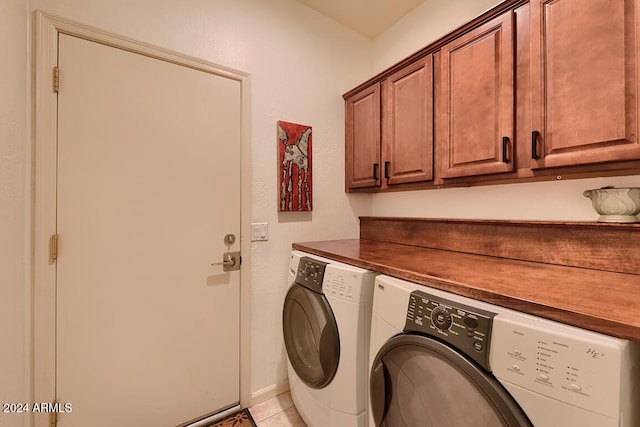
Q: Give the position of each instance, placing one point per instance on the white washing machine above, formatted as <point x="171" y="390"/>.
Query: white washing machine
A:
<point x="441" y="359"/>
<point x="326" y="324"/>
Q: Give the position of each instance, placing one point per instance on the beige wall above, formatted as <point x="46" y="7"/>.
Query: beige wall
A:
<point x="555" y="200"/>
<point x="14" y="200"/>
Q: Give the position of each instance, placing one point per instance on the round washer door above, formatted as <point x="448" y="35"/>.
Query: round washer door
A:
<point x="419" y="381"/>
<point x="310" y="336"/>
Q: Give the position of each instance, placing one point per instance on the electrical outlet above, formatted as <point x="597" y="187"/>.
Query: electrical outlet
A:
<point x="259" y="231"/>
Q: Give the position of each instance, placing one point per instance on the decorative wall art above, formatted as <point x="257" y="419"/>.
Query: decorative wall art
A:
<point x="294" y="173"/>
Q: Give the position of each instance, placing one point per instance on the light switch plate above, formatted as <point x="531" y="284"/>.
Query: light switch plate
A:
<point x="259" y="231"/>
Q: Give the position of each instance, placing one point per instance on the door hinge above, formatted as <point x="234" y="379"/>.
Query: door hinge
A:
<point x="53" y="416"/>
<point x="56" y="79"/>
<point x="53" y="247"/>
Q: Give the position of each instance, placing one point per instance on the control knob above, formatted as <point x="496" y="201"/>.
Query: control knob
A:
<point x="441" y="318"/>
<point x="309" y="270"/>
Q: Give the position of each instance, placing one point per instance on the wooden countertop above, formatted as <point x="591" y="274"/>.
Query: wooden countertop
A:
<point x="602" y="301"/>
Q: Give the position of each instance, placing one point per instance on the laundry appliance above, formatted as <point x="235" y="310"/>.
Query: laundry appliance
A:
<point x="441" y="359"/>
<point x="326" y="324"/>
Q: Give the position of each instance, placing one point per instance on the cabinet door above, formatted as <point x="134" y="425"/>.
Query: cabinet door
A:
<point x="362" y="150"/>
<point x="585" y="81"/>
<point x="477" y="104"/>
<point x="407" y="136"/>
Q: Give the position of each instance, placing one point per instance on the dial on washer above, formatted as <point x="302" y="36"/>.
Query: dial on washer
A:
<point x="441" y="318"/>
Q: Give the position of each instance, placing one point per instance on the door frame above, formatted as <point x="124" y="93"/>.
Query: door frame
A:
<point x="47" y="28"/>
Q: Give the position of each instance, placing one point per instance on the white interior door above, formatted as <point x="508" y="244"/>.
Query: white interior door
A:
<point x="148" y="186"/>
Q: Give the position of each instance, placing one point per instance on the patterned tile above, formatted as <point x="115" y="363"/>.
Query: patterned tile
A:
<point x="239" y="419"/>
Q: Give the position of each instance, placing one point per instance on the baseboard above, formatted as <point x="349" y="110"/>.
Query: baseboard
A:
<point x="269" y="392"/>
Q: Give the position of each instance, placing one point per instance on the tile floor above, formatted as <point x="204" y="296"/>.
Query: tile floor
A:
<point x="277" y="412"/>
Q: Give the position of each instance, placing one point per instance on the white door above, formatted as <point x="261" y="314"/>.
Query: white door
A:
<point x="148" y="187"/>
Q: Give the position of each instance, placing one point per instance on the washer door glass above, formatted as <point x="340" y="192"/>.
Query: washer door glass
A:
<point x="418" y="381"/>
<point x="310" y="336"/>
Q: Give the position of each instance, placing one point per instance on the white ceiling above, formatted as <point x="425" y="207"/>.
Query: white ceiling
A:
<point x="368" y="17"/>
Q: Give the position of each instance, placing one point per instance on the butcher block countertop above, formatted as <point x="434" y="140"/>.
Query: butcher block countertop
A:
<point x="551" y="281"/>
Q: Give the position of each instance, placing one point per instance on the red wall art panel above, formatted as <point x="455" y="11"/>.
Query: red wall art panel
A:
<point x="294" y="172"/>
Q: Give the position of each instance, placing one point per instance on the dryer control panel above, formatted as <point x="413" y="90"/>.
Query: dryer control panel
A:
<point x="585" y="369"/>
<point x="466" y="328"/>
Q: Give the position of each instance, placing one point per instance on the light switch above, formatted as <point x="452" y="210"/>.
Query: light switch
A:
<point x="259" y="231"/>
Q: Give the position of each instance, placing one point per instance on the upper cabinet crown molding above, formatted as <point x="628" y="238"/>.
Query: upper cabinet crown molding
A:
<point x="437" y="44"/>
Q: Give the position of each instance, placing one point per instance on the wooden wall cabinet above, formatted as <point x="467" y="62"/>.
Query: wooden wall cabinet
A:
<point x="389" y="130"/>
<point x="584" y="82"/>
<point x="362" y="149"/>
<point x="476" y="106"/>
<point x="407" y="124"/>
<point x="529" y="90"/>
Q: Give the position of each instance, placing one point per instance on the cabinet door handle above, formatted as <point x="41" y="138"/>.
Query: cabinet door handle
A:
<point x="505" y="146"/>
<point x="375" y="171"/>
<point x="386" y="169"/>
<point x="534" y="144"/>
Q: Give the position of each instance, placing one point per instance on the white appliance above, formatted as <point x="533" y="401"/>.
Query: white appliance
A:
<point x="441" y="359"/>
<point x="326" y="324"/>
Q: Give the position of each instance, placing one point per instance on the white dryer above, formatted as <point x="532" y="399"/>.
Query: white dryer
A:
<point x="441" y="359"/>
<point x="326" y="324"/>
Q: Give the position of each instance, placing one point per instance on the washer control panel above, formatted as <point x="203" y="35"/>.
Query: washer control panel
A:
<point x="466" y="328"/>
<point x="311" y="273"/>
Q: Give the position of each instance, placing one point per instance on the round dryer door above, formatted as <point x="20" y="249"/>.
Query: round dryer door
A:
<point x="419" y="381"/>
<point x="310" y="336"/>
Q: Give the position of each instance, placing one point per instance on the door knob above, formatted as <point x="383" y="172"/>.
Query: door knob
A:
<point x="230" y="261"/>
